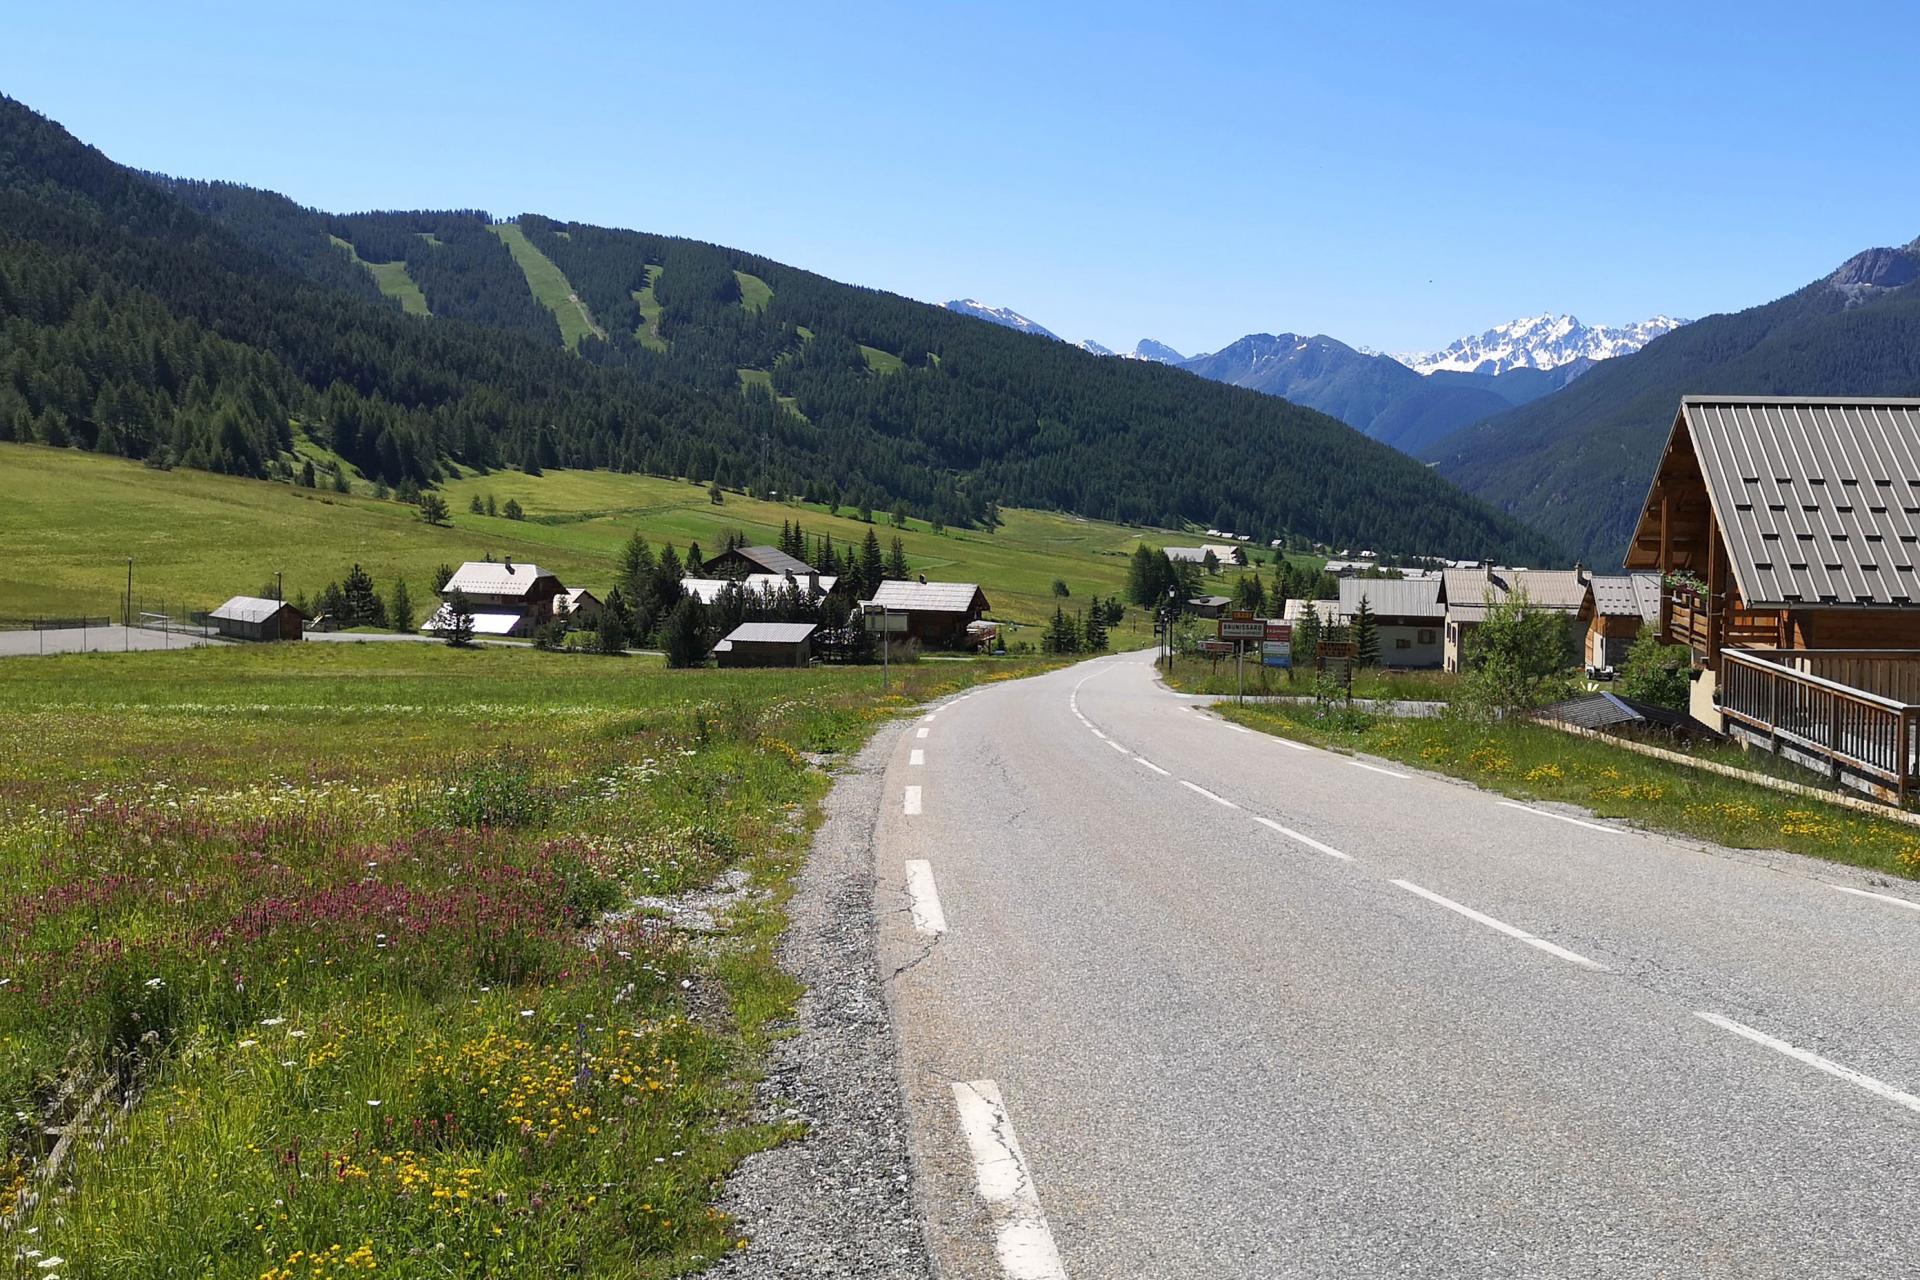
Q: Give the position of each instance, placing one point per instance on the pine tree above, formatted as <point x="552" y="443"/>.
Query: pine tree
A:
<point x="359" y="603"/>
<point x="492" y="510"/>
<point x="400" y="607"/>
<point x="308" y="480"/>
<point x="477" y="507"/>
<point x="873" y="566"/>
<point x="897" y="566"/>
<point x="636" y="563"/>
<point x="611" y="635"/>
<point x="1096" y="628"/>
<point x="433" y="508"/>
<point x="1306" y="638"/>
<point x="441" y="577"/>
<point x="512" y="510"/>
<point x="459" y="621"/>
<point x="1366" y="635"/>
<point x="681" y="634"/>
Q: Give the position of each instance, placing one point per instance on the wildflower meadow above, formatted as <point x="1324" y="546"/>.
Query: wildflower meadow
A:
<point x="317" y="961"/>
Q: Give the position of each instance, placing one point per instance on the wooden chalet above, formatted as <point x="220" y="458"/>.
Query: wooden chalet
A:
<point x="503" y="598"/>
<point x="1787" y="535"/>
<point x="738" y="562"/>
<point x="939" y="614"/>
<point x="258" y="618"/>
<point x="1623" y="603"/>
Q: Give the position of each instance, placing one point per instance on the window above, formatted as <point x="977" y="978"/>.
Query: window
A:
<point x="1427" y="635"/>
<point x="1401" y="642"/>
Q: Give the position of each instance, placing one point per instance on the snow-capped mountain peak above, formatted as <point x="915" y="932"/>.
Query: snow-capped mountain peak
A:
<point x="999" y="315"/>
<point x="1544" y="341"/>
<point x="1150" y="349"/>
<point x="1088" y="344"/>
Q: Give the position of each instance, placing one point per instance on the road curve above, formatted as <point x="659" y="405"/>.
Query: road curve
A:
<point x="1177" y="999"/>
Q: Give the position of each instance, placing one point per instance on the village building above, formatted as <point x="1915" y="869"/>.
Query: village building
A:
<point x="1469" y="593"/>
<point x="766" y="644"/>
<point x="1623" y="603"/>
<point x="1787" y="535"/>
<point x="1295" y="611"/>
<point x="940" y="615"/>
<point x="258" y="618"/>
<point x="1209" y="606"/>
<point x="738" y="562"/>
<point x="1408" y="617"/>
<point x="504" y="598"/>
<point x="579" y="606"/>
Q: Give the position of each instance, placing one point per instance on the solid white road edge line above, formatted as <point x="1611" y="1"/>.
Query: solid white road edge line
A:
<point x="1151" y="765"/>
<point x="929" y="921"/>
<point x="1879" y="1088"/>
<point x="1908" y="903"/>
<point x="1308" y="841"/>
<point x="918" y="757"/>
<point x="1500" y="926"/>
<point x="1200" y="790"/>
<point x="1289" y="742"/>
<point x="1560" y="817"/>
<point x="912" y="801"/>
<point x="1022" y="1240"/>
<point x="1374" y="768"/>
<point x="1239" y="728"/>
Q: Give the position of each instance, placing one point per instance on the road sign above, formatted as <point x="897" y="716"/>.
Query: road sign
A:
<point x="1277" y="653"/>
<point x="1279" y="632"/>
<point x="1216" y="646"/>
<point x="894" y="622"/>
<point x="1248" y="628"/>
<point x="1344" y="649"/>
<point x="1241" y="615"/>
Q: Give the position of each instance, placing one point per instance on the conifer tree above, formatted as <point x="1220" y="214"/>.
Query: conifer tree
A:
<point x="400" y="607"/>
<point x="873" y="566"/>
<point x="1366" y="635"/>
<point x="897" y="566"/>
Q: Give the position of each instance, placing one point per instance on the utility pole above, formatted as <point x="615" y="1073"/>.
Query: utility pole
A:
<point x="126" y="613"/>
<point x="278" y="593"/>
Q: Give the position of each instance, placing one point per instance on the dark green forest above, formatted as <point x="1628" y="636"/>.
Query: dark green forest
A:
<point x="204" y="324"/>
<point x="1577" y="464"/>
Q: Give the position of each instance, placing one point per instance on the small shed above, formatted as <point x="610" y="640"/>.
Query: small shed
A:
<point x="1209" y="606"/>
<point x="258" y="618"/>
<point x="767" y="644"/>
<point x="1611" y="712"/>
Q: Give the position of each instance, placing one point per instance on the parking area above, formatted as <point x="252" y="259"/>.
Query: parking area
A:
<point x="108" y="639"/>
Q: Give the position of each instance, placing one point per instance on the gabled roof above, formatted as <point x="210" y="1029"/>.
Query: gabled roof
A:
<point x="770" y="633"/>
<point x="250" y="609"/>
<point x="488" y="578"/>
<point x="1466" y="591"/>
<point x="1393" y="598"/>
<point x="486" y="622"/>
<point x="575" y="595"/>
<point x="770" y="560"/>
<point x="930" y="597"/>
<point x="1817" y="500"/>
<point x="1212" y="602"/>
<point x="1627" y="595"/>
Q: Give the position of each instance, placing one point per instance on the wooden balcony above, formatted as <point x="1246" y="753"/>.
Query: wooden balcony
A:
<point x="1855" y="712"/>
<point x="1707" y="624"/>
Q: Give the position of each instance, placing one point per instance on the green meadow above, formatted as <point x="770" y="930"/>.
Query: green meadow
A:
<point x="549" y="285"/>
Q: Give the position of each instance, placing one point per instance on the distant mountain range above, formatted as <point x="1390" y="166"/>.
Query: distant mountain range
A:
<point x="1544" y="341"/>
<point x="1408" y="401"/>
<point x="1576" y="465"/>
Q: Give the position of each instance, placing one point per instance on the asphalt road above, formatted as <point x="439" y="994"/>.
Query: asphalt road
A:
<point x="1176" y="999"/>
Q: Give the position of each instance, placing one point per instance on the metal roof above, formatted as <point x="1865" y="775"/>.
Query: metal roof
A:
<point x="1606" y="710"/>
<point x="1393" y="598"/>
<point x="1192" y="555"/>
<point x="1466" y="590"/>
<point x="769" y="633"/>
<point x="490" y="578"/>
<point x="707" y="590"/>
<point x="249" y="609"/>
<point x="772" y="560"/>
<point x="1627" y="595"/>
<point x="1295" y="610"/>
<point x="1818" y="501"/>
<point x="486" y="622"/>
<point x="929" y="597"/>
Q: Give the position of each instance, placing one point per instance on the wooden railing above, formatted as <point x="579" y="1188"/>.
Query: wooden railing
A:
<point x="1846" y="706"/>
<point x="1692" y="613"/>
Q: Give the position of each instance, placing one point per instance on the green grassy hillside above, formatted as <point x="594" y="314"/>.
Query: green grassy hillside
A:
<point x="71" y="520"/>
<point x="755" y="293"/>
<point x="393" y="280"/>
<point x="550" y="286"/>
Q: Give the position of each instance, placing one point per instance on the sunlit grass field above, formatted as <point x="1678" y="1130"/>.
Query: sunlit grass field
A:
<point x="322" y="952"/>
<point x="71" y="519"/>
<point x="1531" y="761"/>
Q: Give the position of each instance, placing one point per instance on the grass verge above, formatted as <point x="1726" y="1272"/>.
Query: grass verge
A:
<point x="1531" y="762"/>
<point x="336" y="933"/>
<point x="1193" y="673"/>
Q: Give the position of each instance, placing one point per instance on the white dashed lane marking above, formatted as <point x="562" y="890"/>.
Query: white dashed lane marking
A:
<point x="1908" y="903"/>
<point x="919" y="733"/>
<point x="1022" y="1240"/>
<point x="918" y="757"/>
<point x="1151" y="765"/>
<point x="1500" y="926"/>
<point x="1560" y="817"/>
<point x="928" y="920"/>
<point x="1200" y="790"/>
<point x="912" y="801"/>
<point x="1879" y="1088"/>
<point x="1297" y="838"/>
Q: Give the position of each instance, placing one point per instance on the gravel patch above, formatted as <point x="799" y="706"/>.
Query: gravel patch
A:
<point x="838" y="1202"/>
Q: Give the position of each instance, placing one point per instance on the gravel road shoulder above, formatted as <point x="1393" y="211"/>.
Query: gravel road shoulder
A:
<point x="838" y="1202"/>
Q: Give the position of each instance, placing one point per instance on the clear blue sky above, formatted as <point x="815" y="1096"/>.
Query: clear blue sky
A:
<point x="1394" y="175"/>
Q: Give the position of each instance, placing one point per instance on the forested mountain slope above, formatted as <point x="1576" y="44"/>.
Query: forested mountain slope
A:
<point x="204" y="323"/>
<point x="1577" y="464"/>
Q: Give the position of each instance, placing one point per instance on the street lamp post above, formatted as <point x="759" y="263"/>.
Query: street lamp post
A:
<point x="886" y="639"/>
<point x="126" y="613"/>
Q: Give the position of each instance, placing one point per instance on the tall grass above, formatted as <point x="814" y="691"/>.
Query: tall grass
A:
<point x="338" y="934"/>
